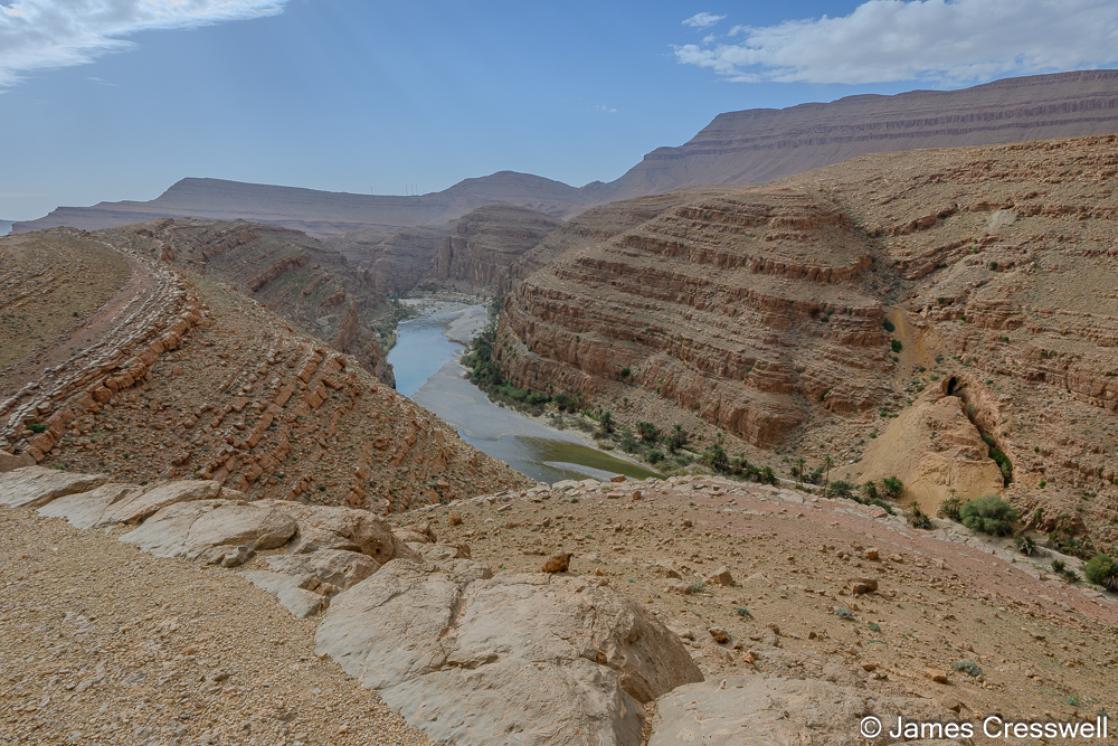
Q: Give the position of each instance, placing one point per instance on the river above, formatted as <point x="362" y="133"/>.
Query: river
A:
<point x="425" y="359"/>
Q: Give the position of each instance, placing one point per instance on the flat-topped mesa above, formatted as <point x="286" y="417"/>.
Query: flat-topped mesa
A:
<point x="223" y="389"/>
<point x="744" y="308"/>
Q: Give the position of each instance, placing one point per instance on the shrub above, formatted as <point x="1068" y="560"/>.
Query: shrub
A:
<point x="950" y="509"/>
<point x="999" y="457"/>
<point x="1102" y="570"/>
<point x="37" y="427"/>
<point x="896" y="346"/>
<point x="628" y="442"/>
<point x="766" y="476"/>
<point x="1060" y="568"/>
<point x="605" y="422"/>
<point x="988" y="515"/>
<point x="1026" y="545"/>
<point x="970" y="668"/>
<point x="892" y="487"/>
<point x="625" y="372"/>
<point x="844" y="613"/>
<point x="648" y="432"/>
<point x="677" y="439"/>
<point x="716" y="458"/>
<point x="655" y="457"/>
<point x="869" y="492"/>
<point x="840" y="488"/>
<point x="917" y="518"/>
<point x="743" y="612"/>
<point x="888" y="326"/>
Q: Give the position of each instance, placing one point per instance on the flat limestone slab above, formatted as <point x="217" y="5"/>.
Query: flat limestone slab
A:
<point x="89" y="509"/>
<point x="34" y="486"/>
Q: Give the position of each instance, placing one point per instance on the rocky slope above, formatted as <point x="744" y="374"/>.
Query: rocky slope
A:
<point x="769" y="314"/>
<point x="316" y="212"/>
<point x="804" y="613"/>
<point x="114" y="360"/>
<point x="757" y="145"/>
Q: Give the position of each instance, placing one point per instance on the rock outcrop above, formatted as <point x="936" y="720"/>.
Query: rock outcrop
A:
<point x="527" y="658"/>
<point x="461" y="653"/>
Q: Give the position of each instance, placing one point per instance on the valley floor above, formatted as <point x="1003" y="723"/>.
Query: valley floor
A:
<point x="103" y="644"/>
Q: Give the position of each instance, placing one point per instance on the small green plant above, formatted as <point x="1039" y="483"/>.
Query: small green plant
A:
<point x="896" y="346"/>
<point x="869" y="492"/>
<point x="37" y="427"/>
<point x="715" y="457"/>
<point x="696" y="587"/>
<point x="950" y="509"/>
<point x="840" y="488"/>
<point x="605" y="422"/>
<point x="1102" y="570"/>
<point x="988" y="515"/>
<point x="655" y="457"/>
<point x="625" y="373"/>
<point x="648" y="432"/>
<point x="892" y="487"/>
<point x="1026" y="545"/>
<point x="678" y="438"/>
<point x="1060" y="568"/>
<point x="743" y="612"/>
<point x="889" y="327"/>
<point x="917" y="518"/>
<point x="970" y="668"/>
<point x="844" y="613"/>
<point x="874" y="627"/>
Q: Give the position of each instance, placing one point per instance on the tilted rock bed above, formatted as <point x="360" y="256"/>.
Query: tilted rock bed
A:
<point x="465" y="655"/>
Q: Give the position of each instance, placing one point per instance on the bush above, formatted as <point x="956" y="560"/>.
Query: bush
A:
<point x="1102" y="570"/>
<point x="37" y="427"/>
<point x="888" y="326"/>
<point x="917" y="518"/>
<point x="988" y="515"/>
<point x="896" y="345"/>
<point x="605" y="422"/>
<point x="970" y="668"/>
<point x="950" y="509"/>
<point x="628" y="442"/>
<point x="840" y="488"/>
<point x="715" y="457"/>
<point x="892" y="487"/>
<point x="1060" y="568"/>
<point x="677" y="439"/>
<point x="648" y="432"/>
<point x="869" y="492"/>
<point x="655" y="457"/>
<point x="1026" y="545"/>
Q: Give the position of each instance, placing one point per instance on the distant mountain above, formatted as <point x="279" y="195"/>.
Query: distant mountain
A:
<point x="736" y="148"/>
<point x="318" y="212"/>
<point x="6" y="227"/>
<point x="758" y="145"/>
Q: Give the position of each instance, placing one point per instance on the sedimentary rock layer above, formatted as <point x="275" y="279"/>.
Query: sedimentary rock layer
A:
<point x="163" y="373"/>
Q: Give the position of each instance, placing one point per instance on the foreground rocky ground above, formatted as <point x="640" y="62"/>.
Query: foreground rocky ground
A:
<point x="103" y="644"/>
<point x="691" y="610"/>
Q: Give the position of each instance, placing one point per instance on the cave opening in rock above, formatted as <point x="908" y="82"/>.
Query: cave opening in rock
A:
<point x="952" y="385"/>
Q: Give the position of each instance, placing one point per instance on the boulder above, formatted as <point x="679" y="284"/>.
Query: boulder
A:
<point x="224" y="532"/>
<point x="8" y="462"/>
<point x="301" y="602"/>
<point x="336" y="568"/>
<point x="760" y="711"/>
<point x="135" y="508"/>
<point x="335" y="527"/>
<point x="35" y="486"/>
<point x="517" y="658"/>
<point x="89" y="509"/>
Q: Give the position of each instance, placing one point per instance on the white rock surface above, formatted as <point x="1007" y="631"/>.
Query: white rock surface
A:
<point x="34" y="486"/>
<point x="512" y="659"/>
<point x="89" y="509"/>
<point x="224" y="532"/>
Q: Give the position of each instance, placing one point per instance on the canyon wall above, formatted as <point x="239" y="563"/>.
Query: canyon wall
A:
<point x="801" y="317"/>
<point x="116" y="360"/>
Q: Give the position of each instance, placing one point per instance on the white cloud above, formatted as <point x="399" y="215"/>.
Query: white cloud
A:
<point x="606" y="109"/>
<point x="702" y="20"/>
<point x="941" y="41"/>
<point x="42" y="34"/>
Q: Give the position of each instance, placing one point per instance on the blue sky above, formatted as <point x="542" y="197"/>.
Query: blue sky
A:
<point x="395" y="97"/>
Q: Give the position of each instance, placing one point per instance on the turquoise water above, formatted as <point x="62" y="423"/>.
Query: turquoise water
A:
<point x="427" y="371"/>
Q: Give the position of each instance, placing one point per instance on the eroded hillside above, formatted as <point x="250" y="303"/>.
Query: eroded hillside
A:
<point x="117" y="361"/>
<point x="936" y="304"/>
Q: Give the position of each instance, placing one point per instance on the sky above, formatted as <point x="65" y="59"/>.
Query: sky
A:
<point x="118" y="99"/>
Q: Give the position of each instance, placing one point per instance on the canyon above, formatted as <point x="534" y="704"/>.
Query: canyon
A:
<point x="221" y="523"/>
